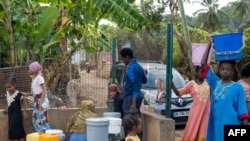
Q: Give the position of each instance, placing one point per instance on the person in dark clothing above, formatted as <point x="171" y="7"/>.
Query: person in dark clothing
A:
<point x="115" y="99"/>
<point x="14" y="110"/>
<point x="133" y="80"/>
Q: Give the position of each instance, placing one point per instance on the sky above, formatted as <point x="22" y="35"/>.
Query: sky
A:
<point x="191" y="8"/>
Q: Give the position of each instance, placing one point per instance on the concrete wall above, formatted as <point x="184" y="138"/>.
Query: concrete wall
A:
<point x="155" y="127"/>
<point x="58" y="120"/>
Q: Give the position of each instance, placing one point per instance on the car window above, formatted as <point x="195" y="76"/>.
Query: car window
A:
<point x="153" y="74"/>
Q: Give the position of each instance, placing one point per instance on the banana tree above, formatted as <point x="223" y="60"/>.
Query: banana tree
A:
<point x="51" y="33"/>
<point x="84" y="17"/>
<point x="5" y="19"/>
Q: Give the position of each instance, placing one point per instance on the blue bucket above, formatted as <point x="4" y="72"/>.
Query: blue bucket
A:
<point x="228" y="46"/>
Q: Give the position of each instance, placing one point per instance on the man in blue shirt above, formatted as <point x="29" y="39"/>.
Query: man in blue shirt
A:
<point x="133" y="82"/>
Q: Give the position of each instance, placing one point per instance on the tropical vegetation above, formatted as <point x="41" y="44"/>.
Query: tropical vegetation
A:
<point x="51" y="31"/>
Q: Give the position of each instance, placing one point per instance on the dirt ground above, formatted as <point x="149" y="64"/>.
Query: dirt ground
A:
<point x="95" y="88"/>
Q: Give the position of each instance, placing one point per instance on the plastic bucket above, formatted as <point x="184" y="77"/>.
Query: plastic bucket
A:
<point x="58" y="132"/>
<point x="228" y="46"/>
<point x="198" y="50"/>
<point x="32" y="137"/>
<point x="97" y="129"/>
<point x="114" y="125"/>
<point x="112" y="114"/>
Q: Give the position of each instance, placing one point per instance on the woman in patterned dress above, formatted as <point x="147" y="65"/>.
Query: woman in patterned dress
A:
<point x="41" y="103"/>
<point x="14" y="110"/>
<point x="196" y="126"/>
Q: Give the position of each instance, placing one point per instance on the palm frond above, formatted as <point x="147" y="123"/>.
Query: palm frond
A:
<point x="121" y="13"/>
<point x="241" y="9"/>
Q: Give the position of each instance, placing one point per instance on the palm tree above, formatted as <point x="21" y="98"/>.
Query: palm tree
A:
<point x="241" y="8"/>
<point x="209" y="17"/>
<point x="186" y="36"/>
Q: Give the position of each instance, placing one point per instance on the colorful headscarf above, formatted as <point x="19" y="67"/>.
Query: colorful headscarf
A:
<point x="36" y="68"/>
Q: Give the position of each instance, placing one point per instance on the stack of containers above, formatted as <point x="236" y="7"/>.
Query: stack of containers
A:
<point x="228" y="46"/>
<point x="57" y="132"/>
<point x="115" y="129"/>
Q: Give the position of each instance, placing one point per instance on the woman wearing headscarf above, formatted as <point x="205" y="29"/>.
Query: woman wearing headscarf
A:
<point x="41" y="103"/>
<point x="76" y="126"/>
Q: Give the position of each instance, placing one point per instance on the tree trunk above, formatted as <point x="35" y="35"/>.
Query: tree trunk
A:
<point x="9" y="32"/>
<point x="187" y="37"/>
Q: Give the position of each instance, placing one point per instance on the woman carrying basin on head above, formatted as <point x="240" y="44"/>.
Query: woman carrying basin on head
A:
<point x="196" y="126"/>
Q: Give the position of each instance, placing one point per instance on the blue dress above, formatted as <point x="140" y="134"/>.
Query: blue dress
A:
<point x="227" y="106"/>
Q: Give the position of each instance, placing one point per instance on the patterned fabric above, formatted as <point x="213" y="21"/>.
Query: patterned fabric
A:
<point x="11" y="98"/>
<point x="246" y="87"/>
<point x="40" y="117"/>
<point x="196" y="126"/>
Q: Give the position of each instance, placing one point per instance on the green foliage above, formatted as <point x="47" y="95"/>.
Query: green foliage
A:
<point x="121" y="13"/>
<point x="130" y="1"/>
<point x="209" y="17"/>
<point x="177" y="55"/>
<point x="154" y="14"/>
<point x="196" y="35"/>
<point x="241" y="8"/>
<point x="246" y="49"/>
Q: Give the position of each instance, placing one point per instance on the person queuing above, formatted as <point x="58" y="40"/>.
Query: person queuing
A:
<point x="196" y="126"/>
<point x="227" y="104"/>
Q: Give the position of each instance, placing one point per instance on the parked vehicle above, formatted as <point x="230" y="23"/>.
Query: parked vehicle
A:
<point x="156" y="70"/>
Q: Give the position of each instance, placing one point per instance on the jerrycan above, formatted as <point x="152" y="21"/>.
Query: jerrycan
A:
<point x="32" y="137"/>
<point x="49" y="137"/>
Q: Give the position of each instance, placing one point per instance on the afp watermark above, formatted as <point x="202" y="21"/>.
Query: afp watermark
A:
<point x="236" y="132"/>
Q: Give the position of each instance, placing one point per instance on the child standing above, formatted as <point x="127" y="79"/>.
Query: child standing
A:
<point x="196" y="126"/>
<point x="14" y="111"/>
<point x="227" y="103"/>
<point x="41" y="103"/>
<point x="245" y="82"/>
<point x="132" y="124"/>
